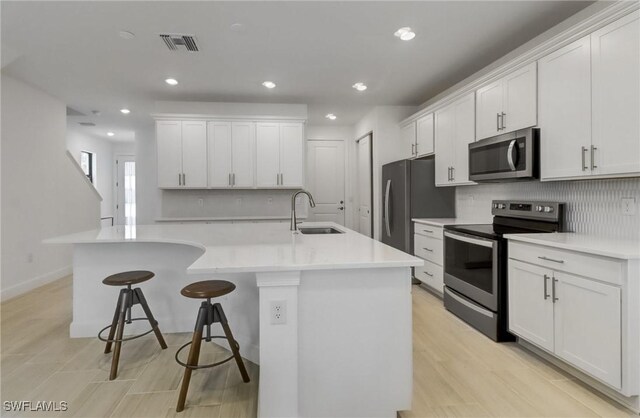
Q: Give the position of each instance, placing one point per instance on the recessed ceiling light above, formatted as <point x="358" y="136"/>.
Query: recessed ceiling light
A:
<point x="110" y="134"/>
<point x="331" y="116"/>
<point x="171" y="81"/>
<point x="237" y="27"/>
<point x="125" y="34"/>
<point x="125" y="111"/>
<point x="269" y="84"/>
<point x="406" y="34"/>
<point x="360" y="86"/>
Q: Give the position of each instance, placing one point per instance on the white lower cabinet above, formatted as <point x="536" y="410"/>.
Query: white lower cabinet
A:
<point x="576" y="318"/>
<point x="428" y="245"/>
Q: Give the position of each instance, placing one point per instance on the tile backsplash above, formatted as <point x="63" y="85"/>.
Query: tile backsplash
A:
<point x="592" y="206"/>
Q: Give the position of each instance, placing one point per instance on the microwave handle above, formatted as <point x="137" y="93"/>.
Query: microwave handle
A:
<point x="512" y="164"/>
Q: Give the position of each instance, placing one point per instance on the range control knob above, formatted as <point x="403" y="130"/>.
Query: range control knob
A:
<point x="548" y="209"/>
<point x="501" y="206"/>
<point x="495" y="206"/>
<point x="539" y="208"/>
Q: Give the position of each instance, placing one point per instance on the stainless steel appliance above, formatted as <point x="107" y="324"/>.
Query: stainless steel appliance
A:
<point x="409" y="191"/>
<point x="475" y="262"/>
<point x="507" y="157"/>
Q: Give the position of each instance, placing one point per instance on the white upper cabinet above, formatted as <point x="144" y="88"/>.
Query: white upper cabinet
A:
<point x="454" y="131"/>
<point x="291" y="155"/>
<point x="182" y="154"/>
<point x="280" y="155"/>
<point x="565" y="110"/>
<point x="169" y="148"/>
<point x="507" y="104"/>
<point x="408" y="138"/>
<point x="589" y="104"/>
<point x="424" y="135"/>
<point x="615" y="61"/>
<point x="230" y="154"/>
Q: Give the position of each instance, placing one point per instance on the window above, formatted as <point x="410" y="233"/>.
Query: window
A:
<point x="86" y="163"/>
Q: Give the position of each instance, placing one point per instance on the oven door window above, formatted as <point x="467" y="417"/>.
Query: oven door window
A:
<point x="502" y="157"/>
<point x="470" y="263"/>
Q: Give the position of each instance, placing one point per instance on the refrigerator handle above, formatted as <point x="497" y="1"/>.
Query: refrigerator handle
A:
<point x="386" y="208"/>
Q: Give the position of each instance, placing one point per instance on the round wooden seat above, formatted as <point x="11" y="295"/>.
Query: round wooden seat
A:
<point x="208" y="289"/>
<point x="127" y="278"/>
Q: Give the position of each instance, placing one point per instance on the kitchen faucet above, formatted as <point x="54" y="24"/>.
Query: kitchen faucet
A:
<point x="294" y="223"/>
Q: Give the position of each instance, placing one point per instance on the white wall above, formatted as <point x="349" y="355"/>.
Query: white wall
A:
<point x="387" y="147"/>
<point x="43" y="194"/>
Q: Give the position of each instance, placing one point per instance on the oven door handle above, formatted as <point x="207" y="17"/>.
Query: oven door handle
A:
<point x="483" y="242"/>
<point x="510" y="158"/>
<point x="468" y="304"/>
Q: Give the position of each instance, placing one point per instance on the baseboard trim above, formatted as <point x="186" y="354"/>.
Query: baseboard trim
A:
<point x="33" y="283"/>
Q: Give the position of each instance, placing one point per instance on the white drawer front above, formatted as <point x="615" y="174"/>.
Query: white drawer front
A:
<point x="428" y="230"/>
<point x="431" y="275"/>
<point x="600" y="268"/>
<point x="428" y="248"/>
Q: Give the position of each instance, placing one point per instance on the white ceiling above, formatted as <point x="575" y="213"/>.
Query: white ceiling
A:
<point x="314" y="51"/>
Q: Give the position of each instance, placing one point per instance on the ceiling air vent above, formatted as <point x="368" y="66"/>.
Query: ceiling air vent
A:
<point x="87" y="123"/>
<point x="177" y="42"/>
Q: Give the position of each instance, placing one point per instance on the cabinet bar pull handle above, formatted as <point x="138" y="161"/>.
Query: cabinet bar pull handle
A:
<point x="453" y="173"/>
<point x="584" y="163"/>
<point x="233" y="179"/>
<point x="413" y="149"/>
<point x="416" y="148"/>
<point x="179" y="180"/>
<point x="428" y="231"/>
<point x="428" y="274"/>
<point x="428" y="249"/>
<point x="497" y="121"/>
<point x="502" y="115"/>
<point x="546" y="296"/>
<point x="553" y="290"/>
<point x="281" y="179"/>
<point x="593" y="159"/>
<point x="541" y="257"/>
<point x="184" y="179"/>
<point x="229" y="180"/>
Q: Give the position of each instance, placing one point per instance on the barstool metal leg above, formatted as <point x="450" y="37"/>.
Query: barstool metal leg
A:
<point x="152" y="320"/>
<point x="114" y="324"/>
<point x="194" y="354"/>
<point x="124" y="300"/>
<point x="232" y="342"/>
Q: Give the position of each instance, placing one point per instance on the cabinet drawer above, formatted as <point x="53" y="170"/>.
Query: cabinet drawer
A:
<point x="600" y="268"/>
<point x="431" y="275"/>
<point x="428" y="230"/>
<point x="428" y="248"/>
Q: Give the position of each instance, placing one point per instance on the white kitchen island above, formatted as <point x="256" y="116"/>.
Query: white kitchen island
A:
<point x="346" y="346"/>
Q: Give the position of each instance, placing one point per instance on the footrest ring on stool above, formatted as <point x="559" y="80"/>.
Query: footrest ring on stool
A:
<point x="204" y="366"/>
<point x="115" y="340"/>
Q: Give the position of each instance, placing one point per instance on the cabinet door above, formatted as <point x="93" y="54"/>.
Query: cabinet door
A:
<point x="444" y="138"/>
<point x="219" y="142"/>
<point x="520" y="99"/>
<point x="194" y="154"/>
<point x="489" y="100"/>
<point x="242" y="154"/>
<point x="464" y="132"/>
<point x="169" y="149"/>
<point x="531" y="304"/>
<point x="424" y="135"/>
<point x="616" y="102"/>
<point x="588" y="327"/>
<point x="565" y="110"/>
<point x="408" y="138"/>
<point x="291" y="155"/>
<point x="267" y="154"/>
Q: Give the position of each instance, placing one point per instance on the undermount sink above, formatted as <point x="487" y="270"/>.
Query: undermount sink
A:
<point x="319" y="230"/>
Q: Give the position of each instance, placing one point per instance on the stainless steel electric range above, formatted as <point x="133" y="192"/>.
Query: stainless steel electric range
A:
<point x="475" y="262"/>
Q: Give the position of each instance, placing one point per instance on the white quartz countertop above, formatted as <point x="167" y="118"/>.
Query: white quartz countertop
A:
<point x="224" y="218"/>
<point x="442" y="221"/>
<point x="607" y="247"/>
<point x="256" y="247"/>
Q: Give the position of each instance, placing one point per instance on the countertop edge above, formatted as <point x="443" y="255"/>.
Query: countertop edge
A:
<point x="574" y="247"/>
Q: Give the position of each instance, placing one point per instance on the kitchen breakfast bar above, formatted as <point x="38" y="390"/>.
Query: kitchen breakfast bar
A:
<point x="345" y="347"/>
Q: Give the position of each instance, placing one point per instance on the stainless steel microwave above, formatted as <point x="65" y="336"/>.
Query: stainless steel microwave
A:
<point x="507" y="157"/>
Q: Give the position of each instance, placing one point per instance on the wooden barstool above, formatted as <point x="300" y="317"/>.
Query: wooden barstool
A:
<point x="207" y="314"/>
<point x="127" y="298"/>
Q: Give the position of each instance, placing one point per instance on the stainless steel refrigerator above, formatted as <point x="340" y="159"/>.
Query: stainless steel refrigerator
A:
<point x="409" y="191"/>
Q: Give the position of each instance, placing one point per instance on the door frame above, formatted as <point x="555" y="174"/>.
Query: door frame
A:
<point x="371" y="199"/>
<point x="116" y="186"/>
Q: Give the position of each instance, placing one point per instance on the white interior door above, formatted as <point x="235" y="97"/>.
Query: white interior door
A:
<point x="364" y="185"/>
<point x="125" y="190"/>
<point x="325" y="180"/>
